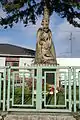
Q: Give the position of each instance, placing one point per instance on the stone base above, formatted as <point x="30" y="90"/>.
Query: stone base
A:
<point x="39" y="116"/>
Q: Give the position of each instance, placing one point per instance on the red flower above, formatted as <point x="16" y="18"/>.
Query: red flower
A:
<point x="52" y="90"/>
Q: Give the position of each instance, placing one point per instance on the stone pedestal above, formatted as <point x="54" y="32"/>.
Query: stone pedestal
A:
<point x="39" y="116"/>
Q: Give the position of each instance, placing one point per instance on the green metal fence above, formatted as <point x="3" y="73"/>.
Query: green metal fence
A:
<point x="3" y="88"/>
<point x="40" y="88"/>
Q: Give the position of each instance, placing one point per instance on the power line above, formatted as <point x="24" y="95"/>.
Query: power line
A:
<point x="70" y="43"/>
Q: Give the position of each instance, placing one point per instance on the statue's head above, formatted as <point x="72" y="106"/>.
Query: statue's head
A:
<point x="45" y="23"/>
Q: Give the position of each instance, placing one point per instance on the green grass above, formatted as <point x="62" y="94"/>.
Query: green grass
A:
<point x="18" y="96"/>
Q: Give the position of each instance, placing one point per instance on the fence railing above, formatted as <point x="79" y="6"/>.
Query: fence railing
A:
<point x="40" y="88"/>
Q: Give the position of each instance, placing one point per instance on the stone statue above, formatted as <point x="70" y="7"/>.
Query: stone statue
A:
<point x="45" y="51"/>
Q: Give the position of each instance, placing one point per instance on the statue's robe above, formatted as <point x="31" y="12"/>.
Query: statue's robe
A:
<point x="45" y="51"/>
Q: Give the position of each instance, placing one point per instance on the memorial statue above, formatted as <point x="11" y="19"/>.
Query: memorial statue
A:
<point x="45" y="51"/>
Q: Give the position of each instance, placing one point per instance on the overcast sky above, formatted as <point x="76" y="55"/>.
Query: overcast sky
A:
<point x="61" y="30"/>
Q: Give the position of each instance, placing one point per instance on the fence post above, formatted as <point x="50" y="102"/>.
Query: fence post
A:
<point x="4" y="89"/>
<point x="0" y="90"/>
<point x="79" y="87"/>
<point x="70" y="103"/>
<point x="74" y="80"/>
<point x="39" y="89"/>
<point x="8" y="92"/>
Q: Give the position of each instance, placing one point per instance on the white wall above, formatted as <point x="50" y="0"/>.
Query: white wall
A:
<point x="2" y="63"/>
<point x="68" y="61"/>
<point x="25" y="62"/>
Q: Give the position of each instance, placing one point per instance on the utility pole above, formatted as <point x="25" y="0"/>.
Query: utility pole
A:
<point x="71" y="43"/>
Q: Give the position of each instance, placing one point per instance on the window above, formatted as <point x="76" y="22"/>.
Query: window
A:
<point x="15" y="64"/>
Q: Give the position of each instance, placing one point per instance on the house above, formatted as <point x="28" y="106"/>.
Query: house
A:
<point x="13" y="55"/>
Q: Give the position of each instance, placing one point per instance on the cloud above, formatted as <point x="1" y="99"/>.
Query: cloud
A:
<point x="61" y="38"/>
<point x="29" y="33"/>
<point x="31" y="29"/>
<point x="2" y="13"/>
<point x="77" y="20"/>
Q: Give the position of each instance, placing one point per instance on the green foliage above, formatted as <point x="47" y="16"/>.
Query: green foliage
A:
<point x="28" y="10"/>
<point x="18" y="96"/>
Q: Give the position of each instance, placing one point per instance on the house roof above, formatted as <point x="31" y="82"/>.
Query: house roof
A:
<point x="13" y="50"/>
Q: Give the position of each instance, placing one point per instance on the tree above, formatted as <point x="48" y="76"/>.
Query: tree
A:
<point x="28" y="11"/>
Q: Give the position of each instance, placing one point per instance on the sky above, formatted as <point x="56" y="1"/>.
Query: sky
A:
<point x="61" y="31"/>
